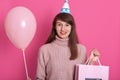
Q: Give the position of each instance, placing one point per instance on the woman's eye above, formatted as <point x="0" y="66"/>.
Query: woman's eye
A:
<point x="67" y="25"/>
<point x="59" y="24"/>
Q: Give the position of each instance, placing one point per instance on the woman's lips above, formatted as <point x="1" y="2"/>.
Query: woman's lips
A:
<point x="63" y="33"/>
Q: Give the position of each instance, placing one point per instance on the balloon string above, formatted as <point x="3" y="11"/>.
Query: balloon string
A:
<point x="25" y="63"/>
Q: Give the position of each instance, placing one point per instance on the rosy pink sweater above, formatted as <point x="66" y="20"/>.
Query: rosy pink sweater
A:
<point x="54" y="63"/>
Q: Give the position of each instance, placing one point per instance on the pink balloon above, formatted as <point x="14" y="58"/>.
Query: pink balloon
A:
<point x="20" y="26"/>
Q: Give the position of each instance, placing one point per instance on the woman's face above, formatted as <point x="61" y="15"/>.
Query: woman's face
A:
<point x="63" y="29"/>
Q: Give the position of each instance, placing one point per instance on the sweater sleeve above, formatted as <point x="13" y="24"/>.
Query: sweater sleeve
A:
<point x="84" y="54"/>
<point x="40" y="75"/>
<point x="82" y="51"/>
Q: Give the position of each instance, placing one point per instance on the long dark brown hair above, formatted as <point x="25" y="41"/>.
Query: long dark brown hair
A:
<point x="73" y="40"/>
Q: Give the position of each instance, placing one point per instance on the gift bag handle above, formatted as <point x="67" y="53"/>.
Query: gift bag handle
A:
<point x="88" y="61"/>
<point x="99" y="62"/>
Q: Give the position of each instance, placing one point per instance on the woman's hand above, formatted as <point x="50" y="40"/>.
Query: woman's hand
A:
<point x="29" y="78"/>
<point x="95" y="54"/>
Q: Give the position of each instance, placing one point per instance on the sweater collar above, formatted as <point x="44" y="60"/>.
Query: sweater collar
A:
<point x="61" y="42"/>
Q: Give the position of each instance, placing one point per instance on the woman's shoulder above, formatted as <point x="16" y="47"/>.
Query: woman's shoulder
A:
<point x="81" y="46"/>
<point x="44" y="49"/>
<point x="45" y="46"/>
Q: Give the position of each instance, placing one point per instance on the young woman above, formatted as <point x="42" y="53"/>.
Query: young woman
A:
<point x="58" y="57"/>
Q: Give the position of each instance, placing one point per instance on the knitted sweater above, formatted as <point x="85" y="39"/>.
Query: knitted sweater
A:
<point x="54" y="63"/>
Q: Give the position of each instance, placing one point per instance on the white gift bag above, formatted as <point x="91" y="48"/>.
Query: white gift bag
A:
<point x="92" y="72"/>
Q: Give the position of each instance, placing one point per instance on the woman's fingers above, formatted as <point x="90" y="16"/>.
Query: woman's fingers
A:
<point x="29" y="78"/>
<point x="95" y="54"/>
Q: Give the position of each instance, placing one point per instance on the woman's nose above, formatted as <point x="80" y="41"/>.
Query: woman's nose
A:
<point x="63" y="28"/>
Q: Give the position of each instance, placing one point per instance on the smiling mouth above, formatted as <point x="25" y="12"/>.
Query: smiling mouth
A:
<point x="63" y="33"/>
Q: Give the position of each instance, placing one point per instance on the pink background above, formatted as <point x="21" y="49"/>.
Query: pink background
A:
<point x="98" y="26"/>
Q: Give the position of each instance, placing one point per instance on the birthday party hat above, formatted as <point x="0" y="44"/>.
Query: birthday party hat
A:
<point x="65" y="8"/>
